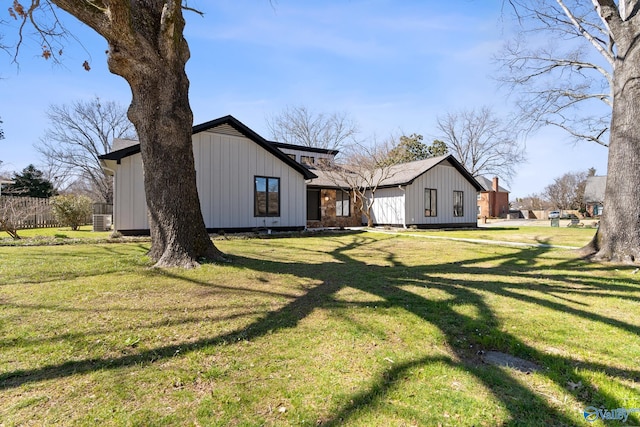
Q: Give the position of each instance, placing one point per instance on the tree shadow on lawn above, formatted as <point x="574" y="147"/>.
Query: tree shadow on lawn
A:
<point x="394" y="284"/>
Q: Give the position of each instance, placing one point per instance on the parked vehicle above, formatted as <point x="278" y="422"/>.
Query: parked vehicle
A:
<point x="554" y="214"/>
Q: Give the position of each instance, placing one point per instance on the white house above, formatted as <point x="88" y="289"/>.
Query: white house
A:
<point x="431" y="193"/>
<point x="244" y="182"/>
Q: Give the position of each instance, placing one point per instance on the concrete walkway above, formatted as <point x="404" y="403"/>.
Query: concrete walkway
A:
<point x="467" y="240"/>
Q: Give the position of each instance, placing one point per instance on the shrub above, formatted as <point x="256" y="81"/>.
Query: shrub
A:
<point x="71" y="210"/>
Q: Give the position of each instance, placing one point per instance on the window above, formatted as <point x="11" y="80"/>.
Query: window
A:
<point x="307" y="160"/>
<point x="430" y="202"/>
<point x="267" y="196"/>
<point x="458" y="203"/>
<point x="342" y="203"/>
<point x="292" y="156"/>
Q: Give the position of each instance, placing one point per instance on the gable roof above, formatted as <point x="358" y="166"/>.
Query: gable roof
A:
<point x="401" y="174"/>
<point x="406" y="173"/>
<point x="487" y="184"/>
<point x="594" y="189"/>
<point x="235" y="124"/>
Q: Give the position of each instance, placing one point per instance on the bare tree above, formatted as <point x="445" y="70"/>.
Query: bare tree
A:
<point x="148" y="49"/>
<point x="300" y="126"/>
<point x="567" y="191"/>
<point x="77" y="135"/>
<point x="481" y="142"/>
<point x="15" y="210"/>
<point x="362" y="170"/>
<point x="610" y="29"/>
<point x="558" y="80"/>
<point x="532" y="202"/>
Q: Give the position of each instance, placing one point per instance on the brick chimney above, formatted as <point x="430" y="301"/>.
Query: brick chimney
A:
<point x="495" y="184"/>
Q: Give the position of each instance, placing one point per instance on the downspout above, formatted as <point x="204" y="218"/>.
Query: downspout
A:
<point x="404" y="217"/>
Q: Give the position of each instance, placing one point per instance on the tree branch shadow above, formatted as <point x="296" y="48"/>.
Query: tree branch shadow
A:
<point x="389" y="284"/>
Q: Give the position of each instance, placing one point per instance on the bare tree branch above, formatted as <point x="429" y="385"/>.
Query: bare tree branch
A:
<point x="77" y="135"/>
<point x="481" y="142"/>
<point x="561" y="83"/>
<point x="300" y="126"/>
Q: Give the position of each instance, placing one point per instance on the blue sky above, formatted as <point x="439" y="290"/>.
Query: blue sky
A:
<point x="392" y="66"/>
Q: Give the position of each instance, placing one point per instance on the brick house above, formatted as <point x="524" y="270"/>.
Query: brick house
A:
<point x="493" y="200"/>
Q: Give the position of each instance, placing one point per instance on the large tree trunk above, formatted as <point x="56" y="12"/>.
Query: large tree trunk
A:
<point x="147" y="48"/>
<point x="618" y="238"/>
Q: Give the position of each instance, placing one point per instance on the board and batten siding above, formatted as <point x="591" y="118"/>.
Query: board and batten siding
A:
<point x="405" y="205"/>
<point x="388" y="207"/>
<point x="226" y="165"/>
<point x="445" y="179"/>
<point x="130" y="203"/>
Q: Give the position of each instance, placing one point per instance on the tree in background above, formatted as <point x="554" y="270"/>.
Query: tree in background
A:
<point x="77" y="135"/>
<point x="71" y="210"/>
<point x="437" y="148"/>
<point x="1" y="131"/>
<point x="532" y="202"/>
<point x="411" y="148"/>
<point x="300" y="126"/>
<point x="30" y="183"/>
<point x="610" y="30"/>
<point x="484" y="144"/>
<point x="567" y="191"/>
<point x="148" y="49"/>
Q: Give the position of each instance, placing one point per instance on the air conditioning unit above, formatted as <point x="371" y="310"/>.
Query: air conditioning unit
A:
<point x="101" y="222"/>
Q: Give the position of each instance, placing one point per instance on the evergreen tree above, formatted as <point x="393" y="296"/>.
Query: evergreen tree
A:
<point x="30" y="182"/>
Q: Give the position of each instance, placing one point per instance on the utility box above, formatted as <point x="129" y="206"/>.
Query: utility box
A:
<point x="101" y="222"/>
<point x="555" y="222"/>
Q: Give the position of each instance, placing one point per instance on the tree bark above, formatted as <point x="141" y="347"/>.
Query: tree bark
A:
<point x="618" y="238"/>
<point x="147" y="48"/>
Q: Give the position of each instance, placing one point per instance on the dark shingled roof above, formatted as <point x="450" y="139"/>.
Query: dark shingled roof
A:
<point x="488" y="184"/>
<point x="403" y="173"/>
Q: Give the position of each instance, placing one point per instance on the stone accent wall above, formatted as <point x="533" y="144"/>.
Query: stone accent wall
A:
<point x="328" y="216"/>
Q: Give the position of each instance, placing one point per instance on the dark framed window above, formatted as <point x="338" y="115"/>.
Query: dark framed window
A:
<point x="292" y="156"/>
<point x="307" y="160"/>
<point x="458" y="203"/>
<point x="430" y="202"/>
<point x="266" y="196"/>
<point x="343" y="204"/>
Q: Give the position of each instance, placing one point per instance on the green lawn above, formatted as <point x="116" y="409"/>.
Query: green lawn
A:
<point x="55" y="235"/>
<point x="562" y="236"/>
<point x="354" y="329"/>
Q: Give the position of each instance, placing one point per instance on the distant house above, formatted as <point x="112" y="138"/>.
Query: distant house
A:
<point x="594" y="195"/>
<point x="493" y="200"/>
<point x="431" y="193"/>
<point x="246" y="183"/>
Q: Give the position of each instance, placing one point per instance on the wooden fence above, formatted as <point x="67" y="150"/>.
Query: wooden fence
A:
<point x="28" y="212"/>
